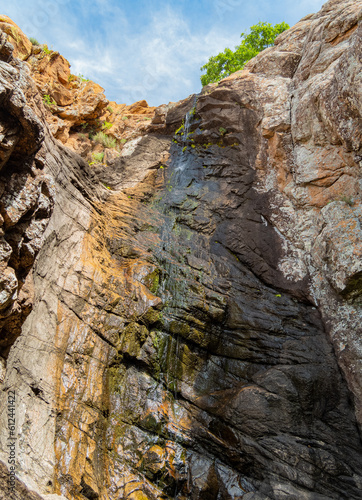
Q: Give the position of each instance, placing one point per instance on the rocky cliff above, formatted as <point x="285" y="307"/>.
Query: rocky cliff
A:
<point x="184" y="319"/>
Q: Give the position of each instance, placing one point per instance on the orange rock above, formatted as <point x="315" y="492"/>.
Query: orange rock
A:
<point x="22" y="45"/>
<point x="89" y="101"/>
<point x="54" y="67"/>
<point x="138" y="107"/>
<point x="61" y="95"/>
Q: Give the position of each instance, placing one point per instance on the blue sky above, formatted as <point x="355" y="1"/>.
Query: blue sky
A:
<point x="142" y="49"/>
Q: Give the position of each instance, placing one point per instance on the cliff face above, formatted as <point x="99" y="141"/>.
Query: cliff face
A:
<point x="185" y="321"/>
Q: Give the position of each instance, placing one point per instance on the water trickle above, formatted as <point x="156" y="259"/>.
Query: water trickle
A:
<point x="188" y="121"/>
<point x="170" y="251"/>
<point x="185" y="140"/>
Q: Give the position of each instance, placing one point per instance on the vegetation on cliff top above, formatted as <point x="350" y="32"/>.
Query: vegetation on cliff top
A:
<point x="261" y="36"/>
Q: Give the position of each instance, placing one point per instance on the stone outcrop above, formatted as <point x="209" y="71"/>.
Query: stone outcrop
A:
<point x="184" y="320"/>
<point x="75" y="107"/>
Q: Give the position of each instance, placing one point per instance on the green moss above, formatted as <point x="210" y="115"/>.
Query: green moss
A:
<point x="179" y="130"/>
<point x="162" y="344"/>
<point x="133" y="337"/>
<point x="152" y="281"/>
<point x="115" y="377"/>
<point x="155" y="339"/>
<point x="177" y="327"/>
<point x="151" y="423"/>
<point x="152" y="316"/>
<point x="155" y="281"/>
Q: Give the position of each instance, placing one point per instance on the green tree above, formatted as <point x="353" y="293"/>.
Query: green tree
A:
<point x="261" y="36"/>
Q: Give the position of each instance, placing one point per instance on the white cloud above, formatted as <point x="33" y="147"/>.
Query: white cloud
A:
<point x="160" y="64"/>
<point x="158" y="60"/>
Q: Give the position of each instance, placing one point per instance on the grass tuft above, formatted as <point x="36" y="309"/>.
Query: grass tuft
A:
<point x="105" y="140"/>
<point x="98" y="157"/>
<point x="34" y="41"/>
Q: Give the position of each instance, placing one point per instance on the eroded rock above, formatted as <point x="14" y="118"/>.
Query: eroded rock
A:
<point x="178" y="316"/>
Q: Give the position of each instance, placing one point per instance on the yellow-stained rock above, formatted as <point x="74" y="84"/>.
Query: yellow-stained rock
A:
<point x="22" y="45"/>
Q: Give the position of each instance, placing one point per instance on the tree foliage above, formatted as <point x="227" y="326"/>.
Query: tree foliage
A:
<point x="261" y="36"/>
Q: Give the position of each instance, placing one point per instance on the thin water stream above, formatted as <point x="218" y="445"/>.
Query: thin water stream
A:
<point x="174" y="282"/>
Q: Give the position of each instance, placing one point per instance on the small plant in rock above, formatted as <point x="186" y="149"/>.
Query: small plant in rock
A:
<point x="82" y="78"/>
<point x="98" y="157"/>
<point x="71" y="78"/>
<point x="222" y="130"/>
<point x="46" y="50"/>
<point x="82" y="136"/>
<point x="123" y="141"/>
<point x="110" y="109"/>
<point x="347" y="199"/>
<point x="48" y="101"/>
<point x="124" y="117"/>
<point x="105" y="140"/>
<point x="107" y="125"/>
<point x="34" y="41"/>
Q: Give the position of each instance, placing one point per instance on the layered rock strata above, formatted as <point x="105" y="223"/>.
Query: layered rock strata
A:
<point x="188" y="317"/>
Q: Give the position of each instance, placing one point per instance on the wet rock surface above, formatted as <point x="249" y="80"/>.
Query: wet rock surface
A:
<point x="187" y="317"/>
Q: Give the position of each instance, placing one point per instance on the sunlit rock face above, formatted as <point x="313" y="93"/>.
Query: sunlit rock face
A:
<point x="185" y="321"/>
